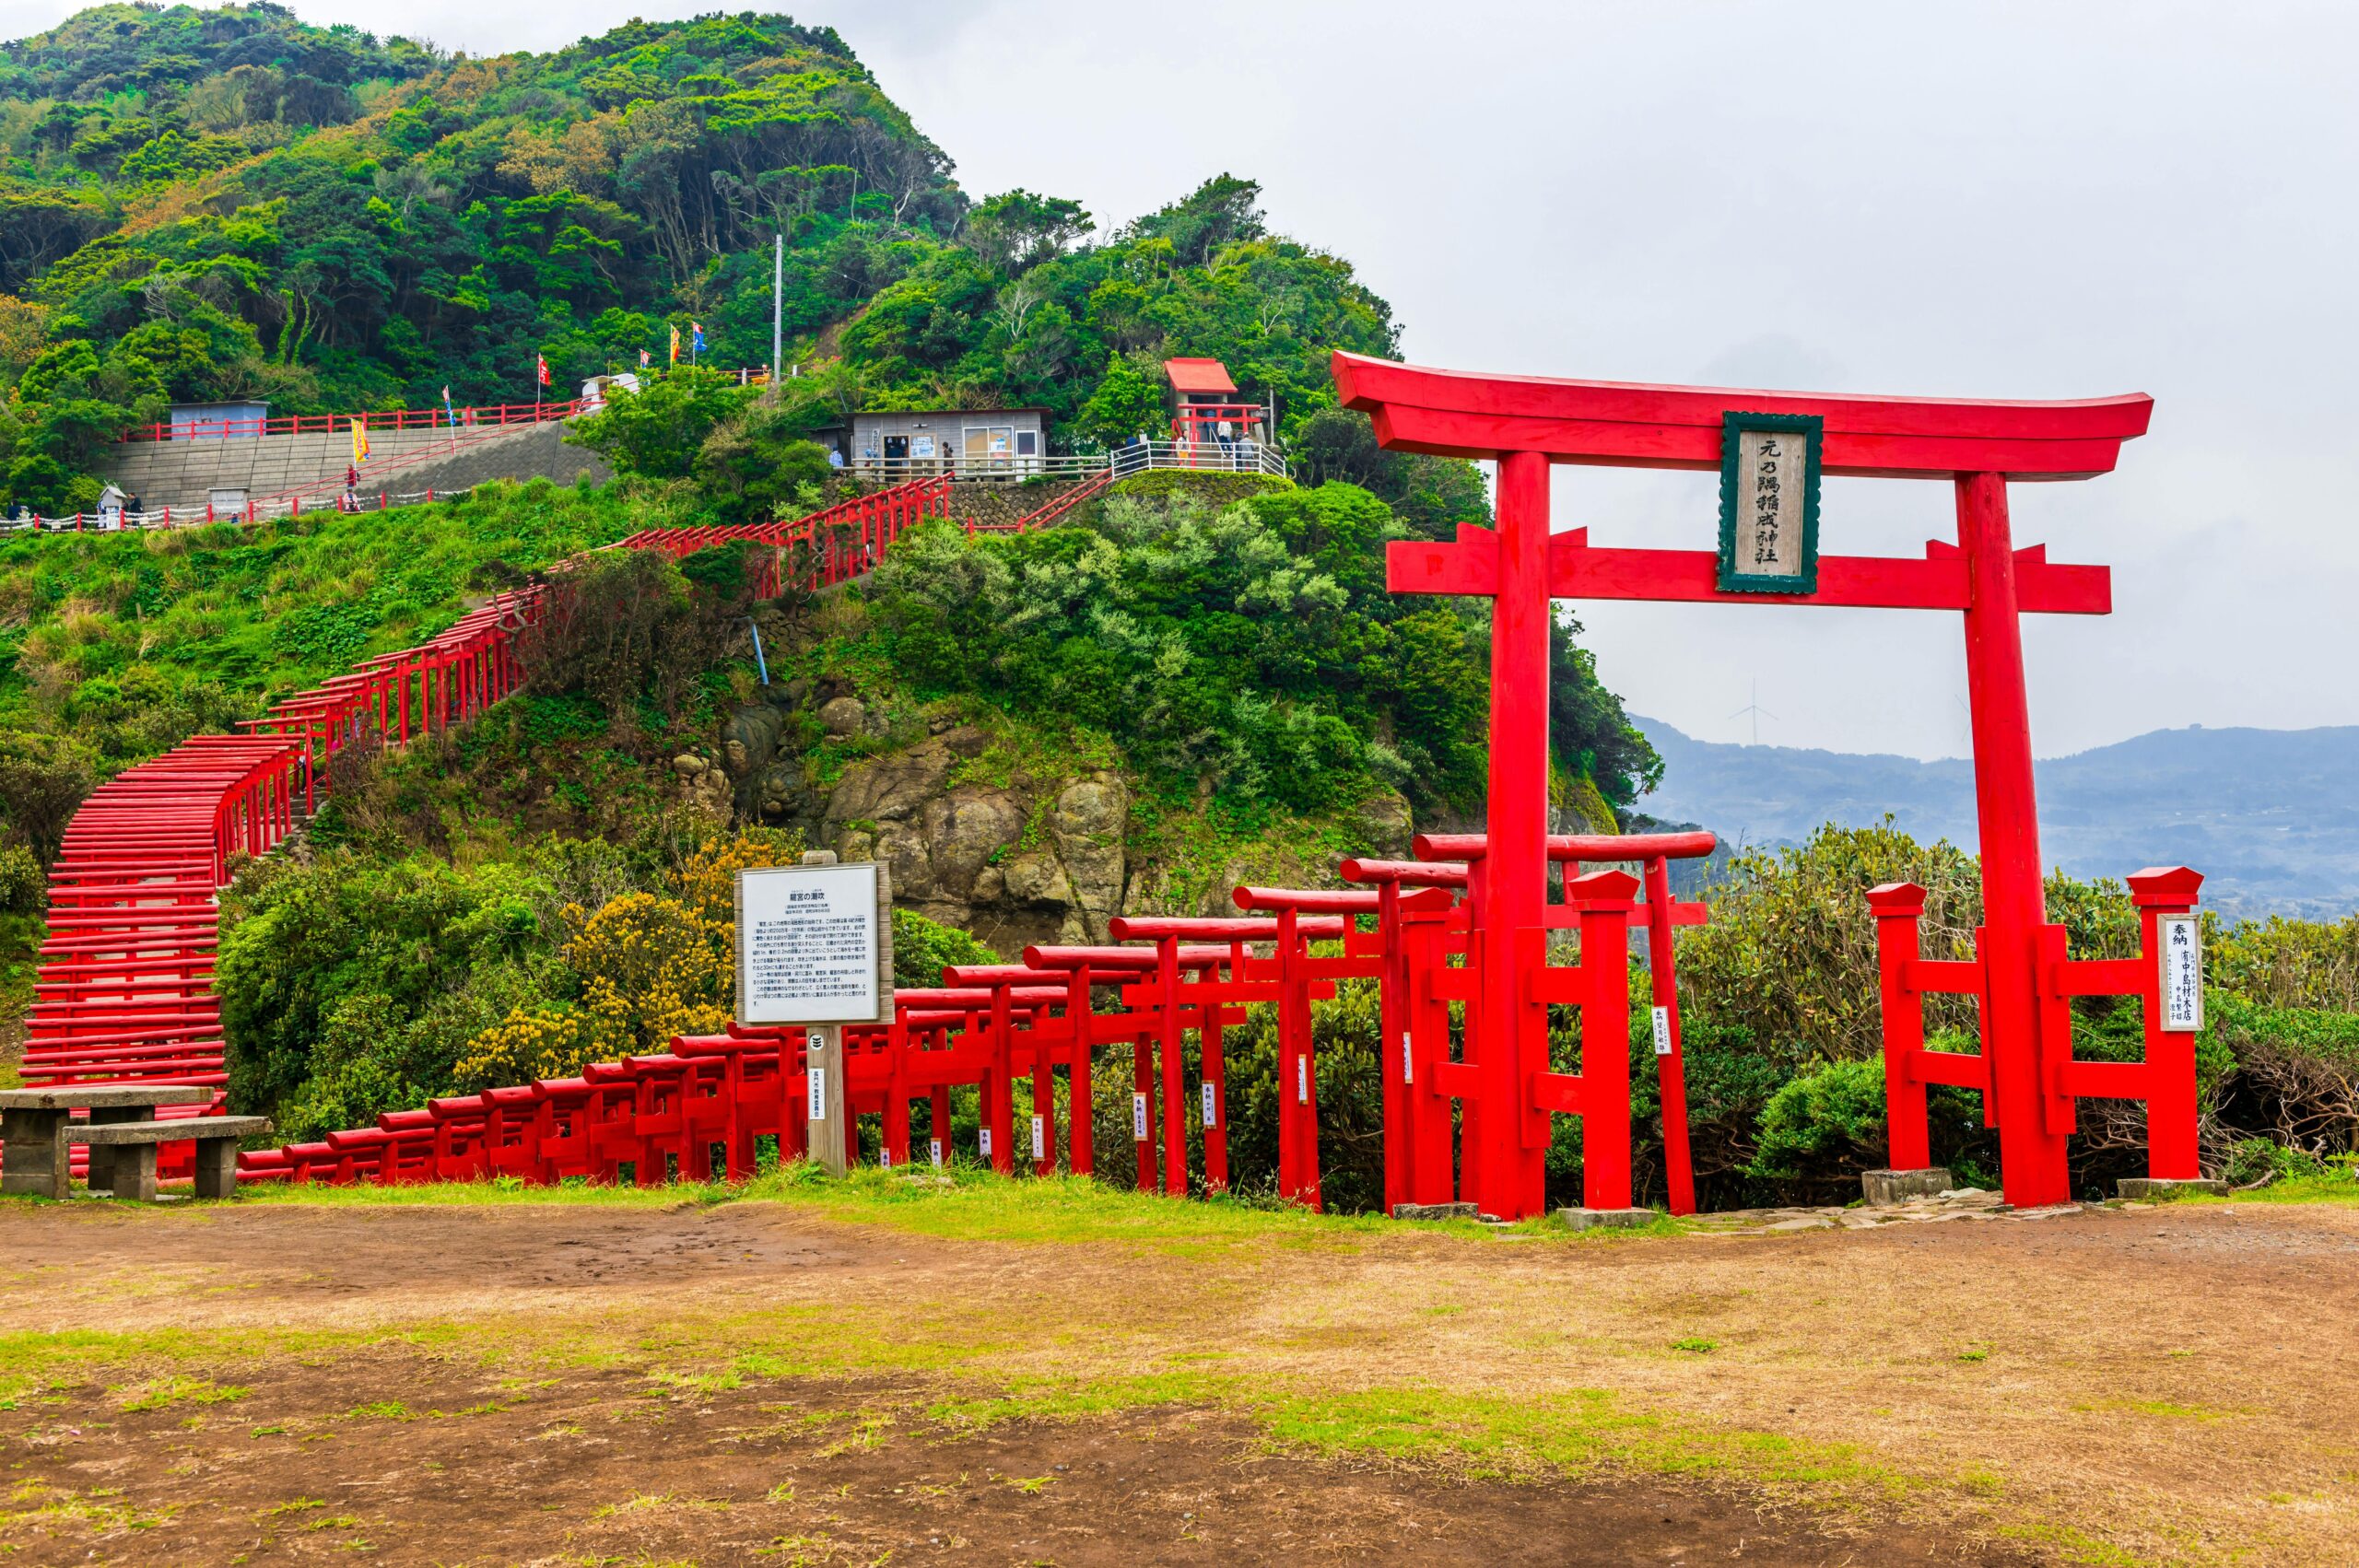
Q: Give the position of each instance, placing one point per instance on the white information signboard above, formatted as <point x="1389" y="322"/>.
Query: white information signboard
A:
<point x="1663" y="1031"/>
<point x="2182" y="943"/>
<point x="812" y="945"/>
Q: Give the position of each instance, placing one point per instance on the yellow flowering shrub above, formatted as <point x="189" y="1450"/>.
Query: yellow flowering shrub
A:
<point x="651" y="968"/>
<point x="544" y="1043"/>
<point x="707" y="881"/>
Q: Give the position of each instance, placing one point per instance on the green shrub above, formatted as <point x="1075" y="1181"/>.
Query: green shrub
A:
<point x="1213" y="489"/>
<point x="43" y="779"/>
<point x="348" y="987"/>
<point x="2296" y="1070"/>
<point x="2254" y="1159"/>
<point x="1253" y="655"/>
<point x="921" y="947"/>
<point x="24" y="888"/>
<point x="1823" y="1123"/>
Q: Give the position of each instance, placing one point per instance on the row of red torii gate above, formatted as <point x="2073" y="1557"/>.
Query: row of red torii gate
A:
<point x="1460" y="941"/>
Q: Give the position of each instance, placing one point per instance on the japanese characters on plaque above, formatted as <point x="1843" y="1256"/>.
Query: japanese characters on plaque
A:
<point x="2182" y="943"/>
<point x="811" y="946"/>
<point x="1769" y="468"/>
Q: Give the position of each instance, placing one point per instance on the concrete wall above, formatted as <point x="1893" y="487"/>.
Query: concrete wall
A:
<point x="185" y="474"/>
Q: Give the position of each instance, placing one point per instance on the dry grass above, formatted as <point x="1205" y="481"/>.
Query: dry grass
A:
<point x="2143" y="1386"/>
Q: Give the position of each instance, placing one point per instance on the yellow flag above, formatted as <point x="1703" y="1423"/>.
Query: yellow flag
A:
<point x="675" y="346"/>
<point x="359" y="442"/>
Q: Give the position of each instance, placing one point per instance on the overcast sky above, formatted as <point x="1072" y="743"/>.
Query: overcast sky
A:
<point x="1970" y="200"/>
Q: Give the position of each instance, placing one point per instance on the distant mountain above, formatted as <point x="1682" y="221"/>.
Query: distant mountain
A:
<point x="2269" y="816"/>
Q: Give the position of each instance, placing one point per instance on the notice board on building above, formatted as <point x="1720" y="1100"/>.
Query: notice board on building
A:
<point x="815" y="944"/>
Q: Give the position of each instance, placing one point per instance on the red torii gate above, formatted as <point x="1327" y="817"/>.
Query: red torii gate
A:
<point x="1528" y="423"/>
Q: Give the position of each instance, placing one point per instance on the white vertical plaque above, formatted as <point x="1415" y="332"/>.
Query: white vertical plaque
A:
<point x="2182" y="943"/>
<point x="1663" y="1031"/>
<point x="1212" y="1107"/>
<point x="816" y="1076"/>
<point x="935" y="1145"/>
<point x="1408" y="1060"/>
<point x="1302" y="1081"/>
<point x="1039" y="1139"/>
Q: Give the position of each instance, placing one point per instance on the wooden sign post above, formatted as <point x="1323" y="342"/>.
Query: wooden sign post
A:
<point x="814" y="949"/>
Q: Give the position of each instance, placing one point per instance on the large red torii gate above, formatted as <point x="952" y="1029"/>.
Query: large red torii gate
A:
<point x="1528" y="423"/>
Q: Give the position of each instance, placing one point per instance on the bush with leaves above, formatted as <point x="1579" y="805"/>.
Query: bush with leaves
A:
<point x="756" y="465"/>
<point x="349" y="987"/>
<point x="44" y="779"/>
<point x="659" y="431"/>
<point x="1251" y="652"/>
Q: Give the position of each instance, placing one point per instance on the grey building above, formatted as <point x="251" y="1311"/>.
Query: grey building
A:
<point x="204" y="421"/>
<point x="975" y="443"/>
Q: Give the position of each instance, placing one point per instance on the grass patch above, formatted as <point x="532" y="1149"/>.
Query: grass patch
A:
<point x="2339" y="1187"/>
<point x="490" y="1195"/>
<point x="166" y="1392"/>
<point x="966" y="1202"/>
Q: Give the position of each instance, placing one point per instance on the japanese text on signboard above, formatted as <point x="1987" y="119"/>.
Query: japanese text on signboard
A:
<point x="2182" y="974"/>
<point x="1769" y="503"/>
<point x="808" y="944"/>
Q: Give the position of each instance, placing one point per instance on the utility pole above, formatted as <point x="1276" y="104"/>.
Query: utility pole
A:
<point x="778" y="316"/>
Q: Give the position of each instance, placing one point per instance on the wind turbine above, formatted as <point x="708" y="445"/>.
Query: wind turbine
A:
<point x="1755" y="710"/>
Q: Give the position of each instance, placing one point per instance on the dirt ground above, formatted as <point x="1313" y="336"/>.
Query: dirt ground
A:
<point x="552" y="1384"/>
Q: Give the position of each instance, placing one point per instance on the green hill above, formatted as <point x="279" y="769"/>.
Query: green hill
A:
<point x="209" y="203"/>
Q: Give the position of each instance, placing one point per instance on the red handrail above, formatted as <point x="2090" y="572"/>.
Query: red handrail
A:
<point x="468" y="417"/>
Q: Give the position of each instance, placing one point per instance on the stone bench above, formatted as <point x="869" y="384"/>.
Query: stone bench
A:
<point x="123" y="1154"/>
<point x="33" y="1124"/>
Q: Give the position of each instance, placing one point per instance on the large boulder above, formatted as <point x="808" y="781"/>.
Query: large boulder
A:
<point x="1088" y="824"/>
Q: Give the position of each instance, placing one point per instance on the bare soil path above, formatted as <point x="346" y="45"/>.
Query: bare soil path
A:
<point x="816" y="1383"/>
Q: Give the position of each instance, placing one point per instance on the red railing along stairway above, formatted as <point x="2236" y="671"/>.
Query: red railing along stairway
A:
<point x="124" y="993"/>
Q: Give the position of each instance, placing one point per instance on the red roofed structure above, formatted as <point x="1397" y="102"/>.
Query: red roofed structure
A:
<point x="1193" y="377"/>
<point x="1210" y="423"/>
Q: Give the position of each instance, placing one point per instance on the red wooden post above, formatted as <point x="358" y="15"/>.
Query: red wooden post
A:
<point x="1298" y="1068"/>
<point x="1512" y="1165"/>
<point x="1604" y="900"/>
<point x="1671" y="1068"/>
<point x="2006" y="812"/>
<point x="1044" y="1099"/>
<point x="999" y="1087"/>
<point x="1081" y="1158"/>
<point x="1898" y="906"/>
<point x="939" y="1136"/>
<point x="896" y="1147"/>
<point x="1432" y="1178"/>
<point x="2172" y="1113"/>
<point x="1171" y="1043"/>
<point x="1143" y="1109"/>
<point x="1214" y="1075"/>
<point x="1395" y="1063"/>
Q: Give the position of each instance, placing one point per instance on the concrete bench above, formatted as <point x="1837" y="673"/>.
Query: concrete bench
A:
<point x="123" y="1154"/>
<point x="33" y="1124"/>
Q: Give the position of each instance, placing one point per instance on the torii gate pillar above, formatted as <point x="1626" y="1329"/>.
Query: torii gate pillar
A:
<point x="2006" y="814"/>
<point x="1529" y="423"/>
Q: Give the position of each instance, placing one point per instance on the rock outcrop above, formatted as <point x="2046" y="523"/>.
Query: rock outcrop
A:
<point x="1014" y="862"/>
